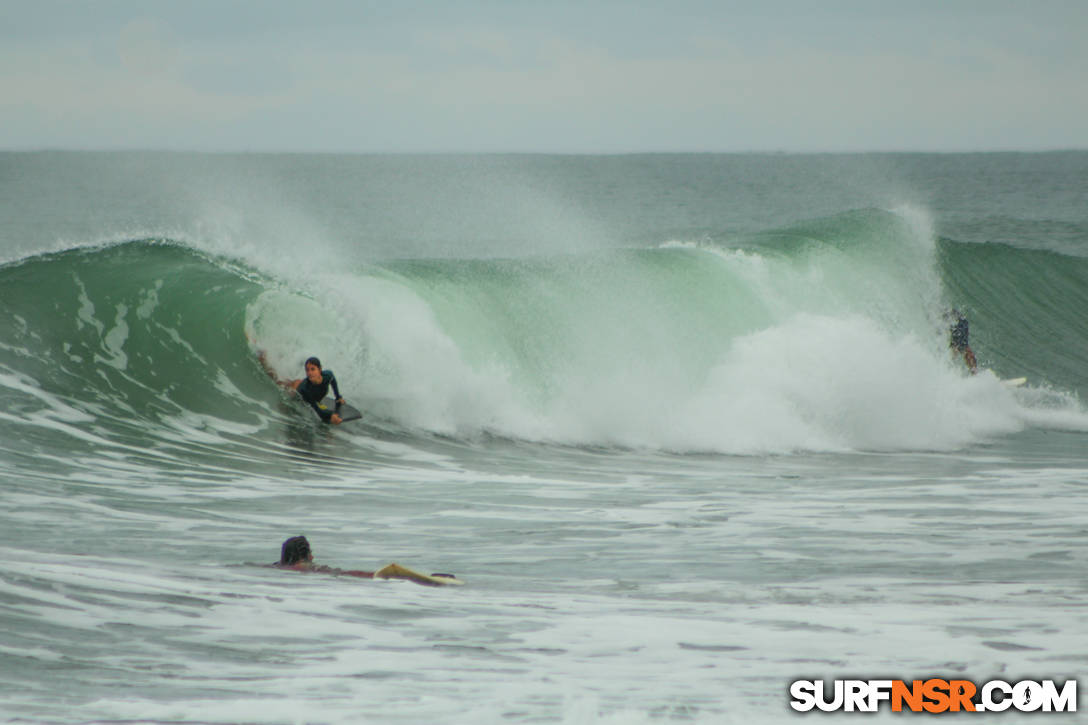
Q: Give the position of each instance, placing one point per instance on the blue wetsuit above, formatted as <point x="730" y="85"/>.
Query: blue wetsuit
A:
<point x="314" y="393"/>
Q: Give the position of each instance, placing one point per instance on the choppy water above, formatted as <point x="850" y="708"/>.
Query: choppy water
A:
<point x="687" y="425"/>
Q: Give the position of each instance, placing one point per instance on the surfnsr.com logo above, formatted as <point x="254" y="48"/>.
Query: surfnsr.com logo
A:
<point x="934" y="695"/>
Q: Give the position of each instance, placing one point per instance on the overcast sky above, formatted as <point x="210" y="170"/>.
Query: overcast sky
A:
<point x="540" y="76"/>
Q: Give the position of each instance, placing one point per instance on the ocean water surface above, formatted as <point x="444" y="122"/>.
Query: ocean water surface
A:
<point x="687" y="426"/>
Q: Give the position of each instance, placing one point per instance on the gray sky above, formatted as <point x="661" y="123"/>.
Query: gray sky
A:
<point x="539" y="76"/>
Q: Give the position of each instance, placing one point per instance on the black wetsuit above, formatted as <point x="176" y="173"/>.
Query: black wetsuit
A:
<point x="314" y="393"/>
<point x="958" y="334"/>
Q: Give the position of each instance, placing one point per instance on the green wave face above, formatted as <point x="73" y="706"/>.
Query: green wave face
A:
<point x="135" y="332"/>
<point x="1027" y="307"/>
<point x="826" y="335"/>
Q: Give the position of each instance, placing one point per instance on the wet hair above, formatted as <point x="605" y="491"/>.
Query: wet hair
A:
<point x="312" y="361"/>
<point x="294" y="550"/>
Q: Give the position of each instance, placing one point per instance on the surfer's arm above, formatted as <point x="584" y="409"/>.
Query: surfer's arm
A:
<point x="335" y="418"/>
<point x="335" y="388"/>
<point x="262" y="358"/>
<point x="358" y="573"/>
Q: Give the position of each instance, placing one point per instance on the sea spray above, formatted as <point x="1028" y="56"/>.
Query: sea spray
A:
<point x="824" y="336"/>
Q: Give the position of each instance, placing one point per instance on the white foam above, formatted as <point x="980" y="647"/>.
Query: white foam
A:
<point x="829" y="350"/>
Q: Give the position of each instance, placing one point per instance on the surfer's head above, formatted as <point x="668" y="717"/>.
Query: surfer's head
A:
<point x="313" y="369"/>
<point x="294" y="550"/>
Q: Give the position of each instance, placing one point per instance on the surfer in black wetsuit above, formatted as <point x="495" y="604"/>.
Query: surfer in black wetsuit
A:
<point x="312" y="388"/>
<point x="957" y="340"/>
<point x="315" y="386"/>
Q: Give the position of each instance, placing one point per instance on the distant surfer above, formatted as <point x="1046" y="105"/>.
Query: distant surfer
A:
<point x="296" y="555"/>
<point x="957" y="340"/>
<point x="313" y="388"/>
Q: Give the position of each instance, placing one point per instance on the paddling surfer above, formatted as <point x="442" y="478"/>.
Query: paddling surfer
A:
<point x="295" y="554"/>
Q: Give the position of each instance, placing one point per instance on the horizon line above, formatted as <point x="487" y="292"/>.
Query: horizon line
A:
<point x="657" y="152"/>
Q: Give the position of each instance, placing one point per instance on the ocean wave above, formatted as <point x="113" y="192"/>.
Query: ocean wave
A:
<point x="826" y="335"/>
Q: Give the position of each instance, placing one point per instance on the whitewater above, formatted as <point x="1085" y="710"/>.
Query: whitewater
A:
<point x="687" y="425"/>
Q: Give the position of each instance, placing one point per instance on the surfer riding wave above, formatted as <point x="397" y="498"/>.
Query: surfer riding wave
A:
<point x="313" y="388"/>
<point x="958" y="333"/>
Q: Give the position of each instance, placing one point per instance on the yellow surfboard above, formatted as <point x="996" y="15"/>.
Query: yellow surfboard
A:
<point x="396" y="571"/>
